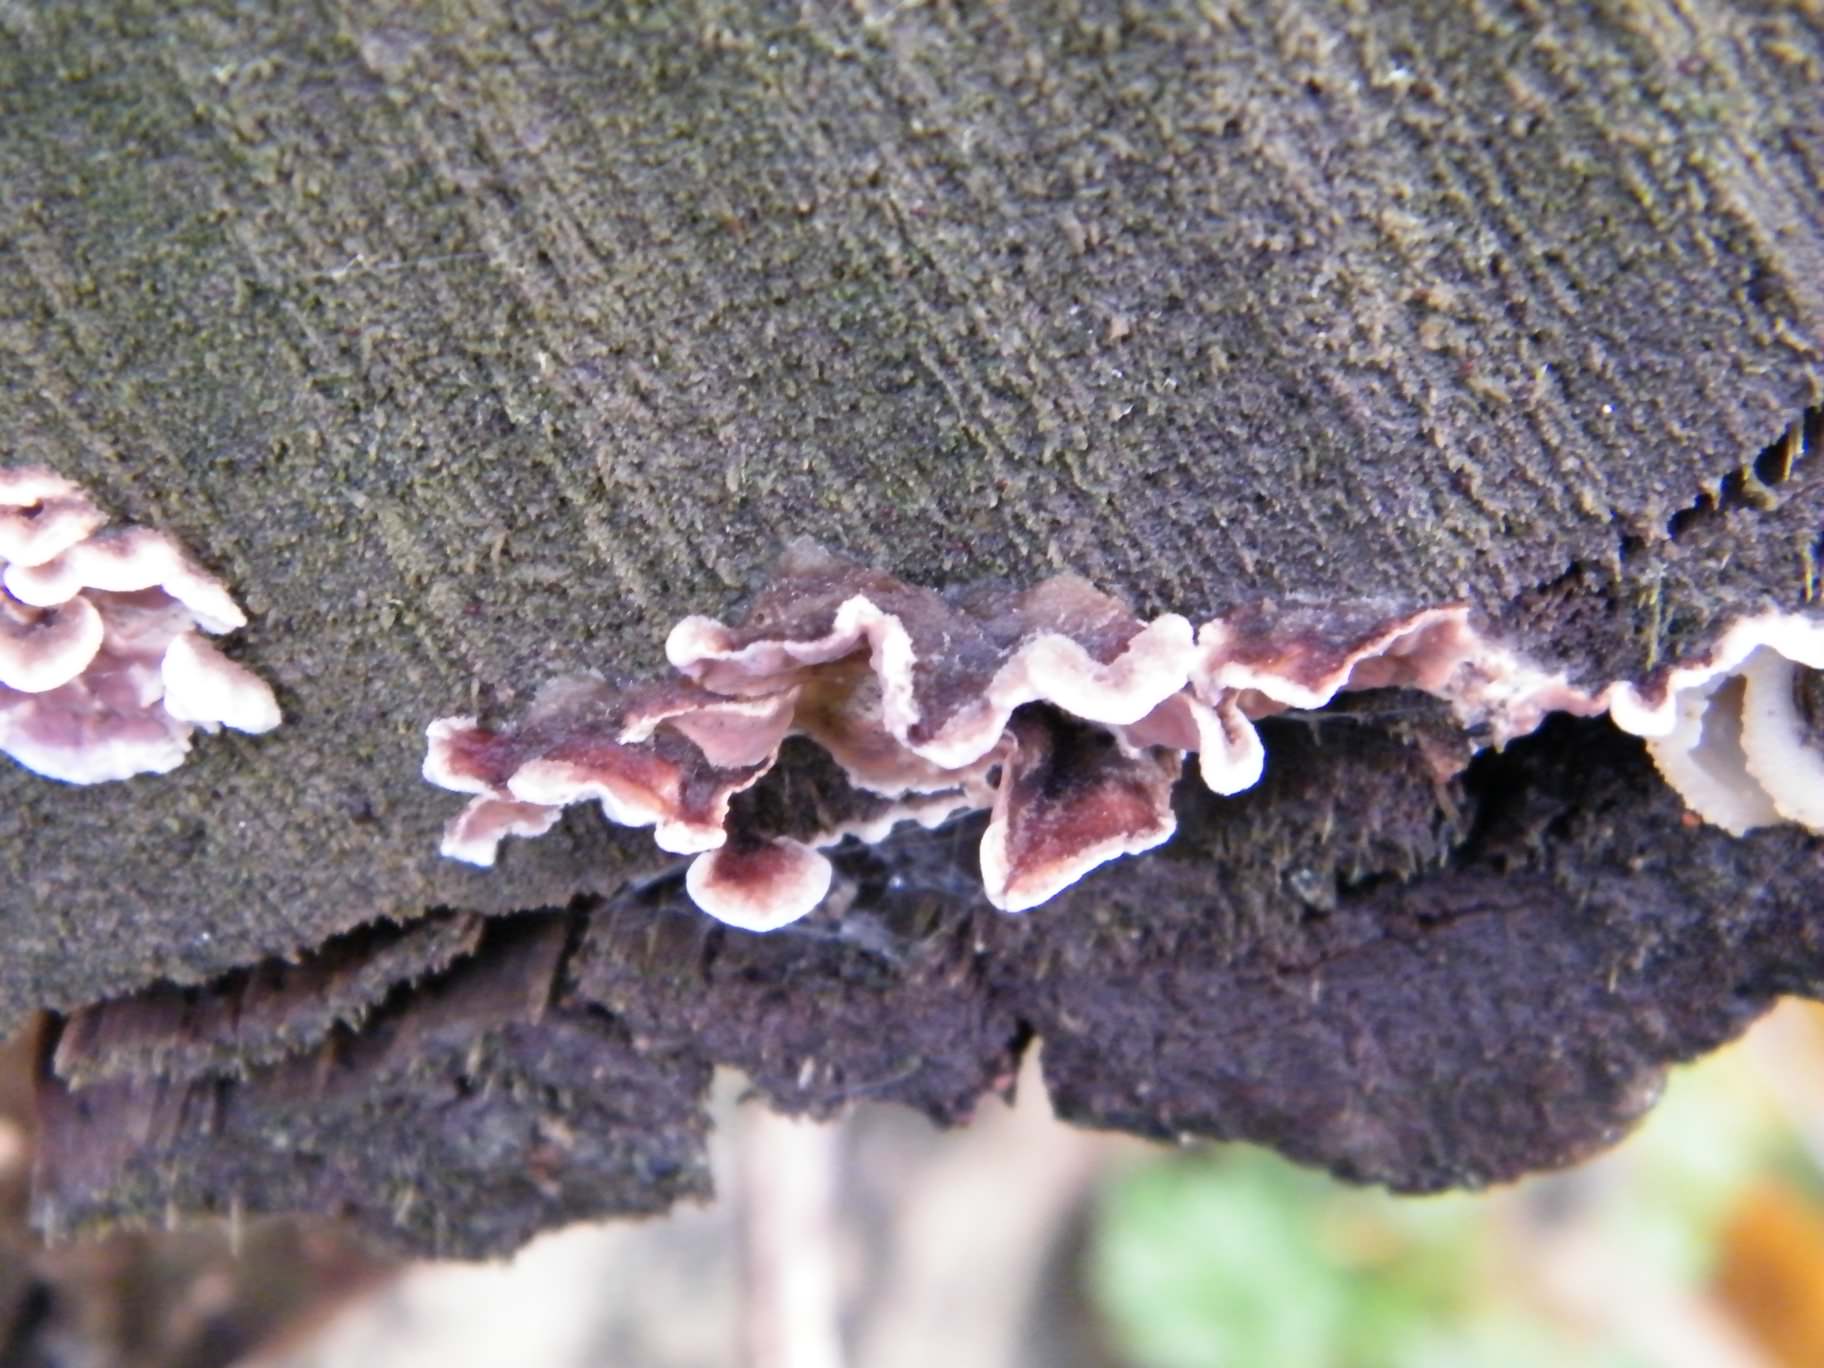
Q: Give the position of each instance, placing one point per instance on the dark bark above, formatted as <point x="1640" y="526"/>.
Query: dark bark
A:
<point x="477" y="349"/>
<point x="1505" y="1003"/>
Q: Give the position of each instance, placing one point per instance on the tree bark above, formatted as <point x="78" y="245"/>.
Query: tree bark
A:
<point x="478" y="347"/>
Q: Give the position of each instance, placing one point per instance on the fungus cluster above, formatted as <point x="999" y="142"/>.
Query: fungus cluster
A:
<point x="925" y="699"/>
<point x="103" y="673"/>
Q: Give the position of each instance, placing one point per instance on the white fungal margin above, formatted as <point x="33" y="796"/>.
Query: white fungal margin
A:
<point x="918" y="698"/>
<point x="1724" y="729"/>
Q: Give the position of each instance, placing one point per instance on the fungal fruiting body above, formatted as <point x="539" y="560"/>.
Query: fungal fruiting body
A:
<point x="922" y="699"/>
<point x="1737" y="731"/>
<point x="103" y="673"/>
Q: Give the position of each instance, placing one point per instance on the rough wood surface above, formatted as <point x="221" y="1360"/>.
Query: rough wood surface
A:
<point x="1508" y="1004"/>
<point x="478" y="345"/>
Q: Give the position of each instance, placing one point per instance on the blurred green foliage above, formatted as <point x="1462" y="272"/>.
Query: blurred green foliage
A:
<point x="1241" y="1259"/>
<point x="1233" y="1258"/>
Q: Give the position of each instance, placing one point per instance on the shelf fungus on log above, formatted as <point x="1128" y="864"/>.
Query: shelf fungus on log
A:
<point x="1737" y="732"/>
<point x="1067" y="718"/>
<point x="102" y="672"/>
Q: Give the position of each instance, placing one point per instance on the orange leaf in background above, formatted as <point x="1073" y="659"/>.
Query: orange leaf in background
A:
<point x="1771" y="1272"/>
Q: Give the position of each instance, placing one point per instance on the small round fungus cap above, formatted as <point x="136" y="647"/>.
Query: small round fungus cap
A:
<point x="758" y="885"/>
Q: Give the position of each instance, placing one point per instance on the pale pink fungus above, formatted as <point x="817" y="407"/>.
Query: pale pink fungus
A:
<point x="125" y="562"/>
<point x="205" y="687"/>
<point x="42" y="649"/>
<point x="476" y="833"/>
<point x="1775" y="739"/>
<point x="34" y="534"/>
<point x="1724" y="729"/>
<point x="758" y="885"/>
<point x="1056" y="710"/>
<point x="102" y="673"/>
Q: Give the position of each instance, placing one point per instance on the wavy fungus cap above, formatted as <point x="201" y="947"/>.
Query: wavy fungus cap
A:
<point x="1739" y="732"/>
<point x="1065" y="717"/>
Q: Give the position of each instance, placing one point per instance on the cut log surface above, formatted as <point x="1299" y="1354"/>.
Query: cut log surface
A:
<point x="477" y="346"/>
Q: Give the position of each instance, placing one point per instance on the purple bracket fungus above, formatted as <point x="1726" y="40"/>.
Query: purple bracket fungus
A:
<point x="1065" y="717"/>
<point x="758" y="885"/>
<point x="1070" y="798"/>
<point x="102" y="673"/>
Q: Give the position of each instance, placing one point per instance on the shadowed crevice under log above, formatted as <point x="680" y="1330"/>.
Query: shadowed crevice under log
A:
<point x="1408" y="983"/>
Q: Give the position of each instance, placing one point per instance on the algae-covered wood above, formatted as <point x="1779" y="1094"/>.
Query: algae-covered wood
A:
<point x="477" y="344"/>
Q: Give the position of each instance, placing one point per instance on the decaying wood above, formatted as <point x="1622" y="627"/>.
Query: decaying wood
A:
<point x="1507" y="1004"/>
<point x="260" y="1015"/>
<point x="477" y="348"/>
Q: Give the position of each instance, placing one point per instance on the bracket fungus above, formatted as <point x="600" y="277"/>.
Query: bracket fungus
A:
<point x="102" y="672"/>
<point x="1066" y="717"/>
<point x="1737" y="732"/>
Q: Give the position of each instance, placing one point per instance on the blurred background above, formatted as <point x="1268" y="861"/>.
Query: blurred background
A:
<point x="1018" y="1241"/>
